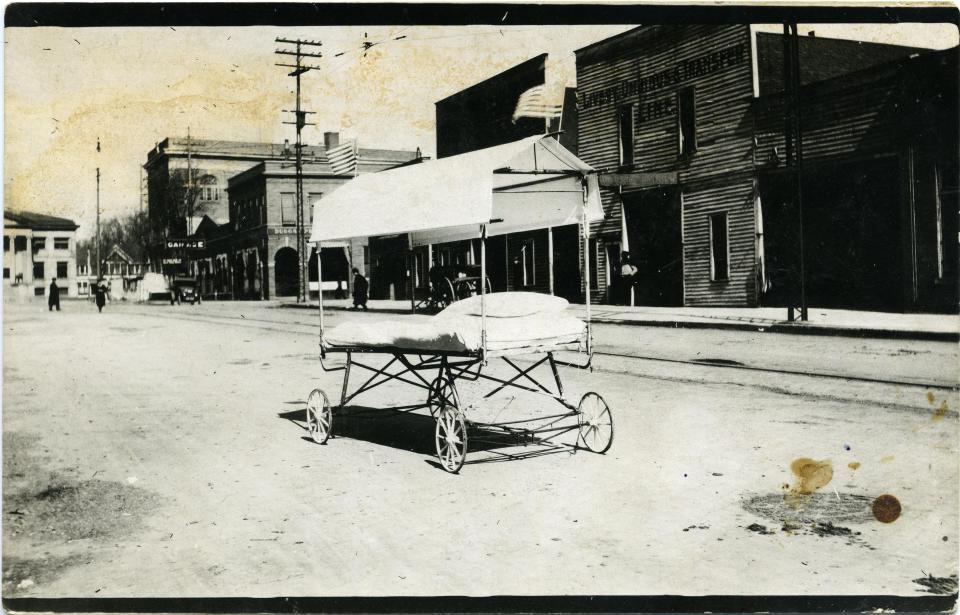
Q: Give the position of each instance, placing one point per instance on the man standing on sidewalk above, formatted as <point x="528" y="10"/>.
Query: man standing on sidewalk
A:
<point x="53" y="295"/>
<point x="628" y="275"/>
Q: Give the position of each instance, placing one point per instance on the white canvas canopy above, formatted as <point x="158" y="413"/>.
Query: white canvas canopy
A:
<point x="528" y="184"/>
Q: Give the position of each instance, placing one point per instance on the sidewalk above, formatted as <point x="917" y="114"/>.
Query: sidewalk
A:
<point x="850" y="323"/>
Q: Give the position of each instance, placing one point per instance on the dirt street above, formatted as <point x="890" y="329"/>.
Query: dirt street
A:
<point x="161" y="451"/>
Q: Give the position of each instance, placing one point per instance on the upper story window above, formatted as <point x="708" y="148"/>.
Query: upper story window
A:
<point x="6" y="243"/>
<point x="39" y="243"/>
<point x="687" y="121"/>
<point x="19" y="243"/>
<point x="626" y="129"/>
<point x="288" y="208"/>
<point x="61" y="243"/>
<point x="209" y="188"/>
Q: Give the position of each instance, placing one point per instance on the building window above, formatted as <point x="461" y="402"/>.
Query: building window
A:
<point x="527" y="263"/>
<point x="38" y="271"/>
<point x="719" y="248"/>
<point x="19" y="244"/>
<point x="288" y="208"/>
<point x="61" y="243"/>
<point x="312" y="198"/>
<point x="6" y="243"/>
<point x="687" y="121"/>
<point x="625" y="124"/>
<point x="61" y="269"/>
<point x="38" y="291"/>
<point x="6" y="273"/>
<point x="39" y="243"/>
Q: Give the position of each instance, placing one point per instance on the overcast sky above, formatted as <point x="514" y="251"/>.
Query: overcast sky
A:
<point x="132" y="87"/>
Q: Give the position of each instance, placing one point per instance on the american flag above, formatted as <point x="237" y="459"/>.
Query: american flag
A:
<point x="535" y="102"/>
<point x="343" y="158"/>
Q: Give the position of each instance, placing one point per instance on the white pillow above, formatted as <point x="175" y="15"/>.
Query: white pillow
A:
<point x="508" y="305"/>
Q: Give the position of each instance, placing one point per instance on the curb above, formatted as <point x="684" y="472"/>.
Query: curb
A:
<point x="793" y="329"/>
<point x="777" y="327"/>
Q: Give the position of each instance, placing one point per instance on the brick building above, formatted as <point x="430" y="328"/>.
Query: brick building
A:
<point x="36" y="248"/>
<point x="245" y="206"/>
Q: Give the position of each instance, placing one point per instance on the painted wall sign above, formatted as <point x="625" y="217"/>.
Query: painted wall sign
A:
<point x="685" y="70"/>
<point x="654" y="109"/>
<point x="698" y="66"/>
<point x="195" y="244"/>
<point x="607" y="95"/>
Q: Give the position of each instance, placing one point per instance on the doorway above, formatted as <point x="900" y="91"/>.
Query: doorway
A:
<point x="656" y="245"/>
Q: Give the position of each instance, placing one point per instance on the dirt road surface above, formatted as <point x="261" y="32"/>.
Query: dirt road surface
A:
<point x="160" y="451"/>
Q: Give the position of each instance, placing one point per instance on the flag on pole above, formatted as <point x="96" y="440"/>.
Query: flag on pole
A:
<point x="536" y="102"/>
<point x="343" y="158"/>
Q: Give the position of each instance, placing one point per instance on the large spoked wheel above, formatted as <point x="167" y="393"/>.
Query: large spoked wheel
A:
<point x="596" y="423"/>
<point x="451" y="437"/>
<point x="319" y="416"/>
<point x="442" y="393"/>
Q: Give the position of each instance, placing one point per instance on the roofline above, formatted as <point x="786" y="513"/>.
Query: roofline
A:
<point x="609" y="39"/>
<point x="846" y="40"/>
<point x="462" y="92"/>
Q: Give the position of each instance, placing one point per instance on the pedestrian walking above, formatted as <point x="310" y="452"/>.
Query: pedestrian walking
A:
<point x="360" y="286"/>
<point x="101" y="295"/>
<point x="53" y="296"/>
<point x="628" y="276"/>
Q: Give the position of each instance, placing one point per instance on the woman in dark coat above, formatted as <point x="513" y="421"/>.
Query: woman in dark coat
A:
<point x="359" y="290"/>
<point x="101" y="293"/>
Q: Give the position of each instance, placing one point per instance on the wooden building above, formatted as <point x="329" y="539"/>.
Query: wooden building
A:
<point x="685" y="122"/>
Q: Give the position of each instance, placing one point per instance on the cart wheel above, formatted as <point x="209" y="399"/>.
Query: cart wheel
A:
<point x="596" y="423"/>
<point x="442" y="393"/>
<point x="451" y="437"/>
<point x="319" y="416"/>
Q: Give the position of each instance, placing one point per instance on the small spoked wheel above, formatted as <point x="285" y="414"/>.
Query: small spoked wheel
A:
<point x="596" y="423"/>
<point x="451" y="437"/>
<point x="442" y="393"/>
<point x="319" y="416"/>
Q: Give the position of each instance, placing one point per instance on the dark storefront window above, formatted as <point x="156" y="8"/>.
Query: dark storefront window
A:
<point x="687" y="119"/>
<point x="947" y="227"/>
<point x="719" y="268"/>
<point x="625" y="122"/>
<point x="61" y="269"/>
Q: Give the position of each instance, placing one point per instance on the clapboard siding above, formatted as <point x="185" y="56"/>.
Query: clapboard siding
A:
<point x="737" y="201"/>
<point x="723" y="97"/>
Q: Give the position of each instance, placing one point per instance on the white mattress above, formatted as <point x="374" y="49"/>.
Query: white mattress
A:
<point x="444" y="332"/>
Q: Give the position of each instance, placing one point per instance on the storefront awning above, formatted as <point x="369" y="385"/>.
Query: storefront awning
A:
<point x="528" y="184"/>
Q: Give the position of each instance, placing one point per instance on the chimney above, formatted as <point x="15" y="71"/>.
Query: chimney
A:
<point x="331" y="140"/>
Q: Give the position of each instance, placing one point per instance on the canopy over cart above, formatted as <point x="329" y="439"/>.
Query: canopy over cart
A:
<point x="529" y="184"/>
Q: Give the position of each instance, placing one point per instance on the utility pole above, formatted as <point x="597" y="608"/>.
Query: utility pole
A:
<point x="793" y="132"/>
<point x="98" y="214"/>
<point x="189" y="187"/>
<point x="300" y="120"/>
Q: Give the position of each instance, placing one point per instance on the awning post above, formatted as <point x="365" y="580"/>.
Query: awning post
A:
<point x="320" y="294"/>
<point x="585" y="226"/>
<point x="483" y="293"/>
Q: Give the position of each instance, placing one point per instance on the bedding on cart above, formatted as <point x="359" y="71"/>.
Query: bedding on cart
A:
<point x="515" y="320"/>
